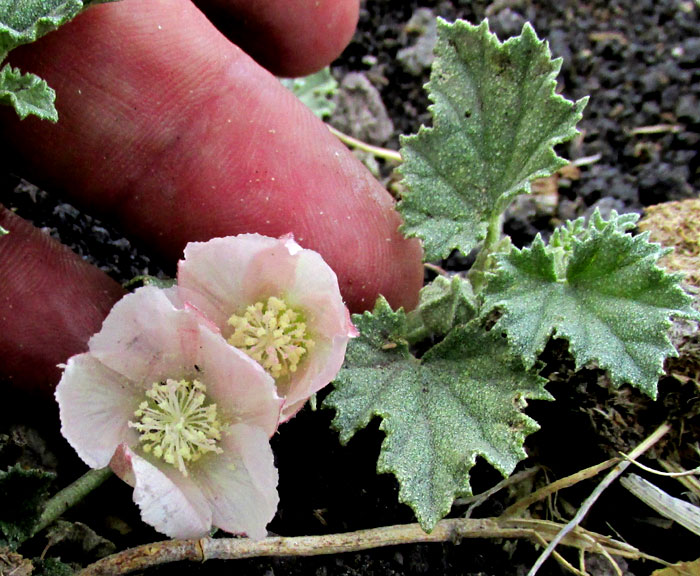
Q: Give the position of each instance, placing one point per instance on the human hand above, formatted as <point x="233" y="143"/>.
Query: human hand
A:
<point x="174" y="134"/>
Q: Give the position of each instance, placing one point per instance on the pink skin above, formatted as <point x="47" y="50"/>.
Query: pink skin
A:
<point x="174" y="134"/>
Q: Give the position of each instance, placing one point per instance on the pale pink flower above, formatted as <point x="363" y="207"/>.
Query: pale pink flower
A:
<point x="277" y="302"/>
<point x="179" y="414"/>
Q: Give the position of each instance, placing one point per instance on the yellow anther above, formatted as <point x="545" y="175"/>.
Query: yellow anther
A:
<point x="273" y="334"/>
<point x="175" y="425"/>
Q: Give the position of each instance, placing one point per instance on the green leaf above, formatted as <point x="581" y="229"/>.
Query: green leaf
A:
<point x="22" y="497"/>
<point x="444" y="303"/>
<point x="23" y="22"/>
<point x="496" y="120"/>
<point x="28" y="93"/>
<point x="315" y="91"/>
<point x="463" y="399"/>
<point x="599" y="288"/>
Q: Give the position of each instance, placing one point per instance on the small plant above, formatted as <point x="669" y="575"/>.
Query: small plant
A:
<point x="496" y="120"/>
<point x="184" y="385"/>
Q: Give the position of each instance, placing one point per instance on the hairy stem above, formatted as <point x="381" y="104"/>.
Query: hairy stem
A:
<point x="491" y="244"/>
<point x="70" y="496"/>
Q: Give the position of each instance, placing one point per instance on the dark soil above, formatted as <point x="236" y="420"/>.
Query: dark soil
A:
<point x="638" y="61"/>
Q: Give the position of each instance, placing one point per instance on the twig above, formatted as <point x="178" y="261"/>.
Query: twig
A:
<point x="452" y="530"/>
<point x="690" y="482"/>
<point x="656" y="129"/>
<point x="559" y="558"/>
<point x="479" y="499"/>
<point x="692" y="472"/>
<point x="588" y="503"/>
<point x="377" y="151"/>
<point x="560" y="484"/>
<point x="587" y="160"/>
<point x="685" y="513"/>
<point x="70" y="496"/>
<point x="435" y="268"/>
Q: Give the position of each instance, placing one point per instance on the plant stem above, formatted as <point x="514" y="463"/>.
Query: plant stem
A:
<point x="452" y="530"/>
<point x="493" y="238"/>
<point x="383" y="153"/>
<point x="70" y="496"/>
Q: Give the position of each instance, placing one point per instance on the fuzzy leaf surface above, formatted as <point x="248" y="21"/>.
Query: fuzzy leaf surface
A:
<point x="463" y="399"/>
<point x="315" y="91"/>
<point x="28" y="94"/>
<point x="445" y="303"/>
<point x="496" y="119"/>
<point x="23" y="22"/>
<point x="599" y="288"/>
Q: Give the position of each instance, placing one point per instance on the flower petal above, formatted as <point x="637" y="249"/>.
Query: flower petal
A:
<point x="171" y="503"/>
<point x="95" y="405"/>
<point x="225" y="275"/>
<point x="242" y="390"/>
<point x="146" y="338"/>
<point x="241" y="483"/>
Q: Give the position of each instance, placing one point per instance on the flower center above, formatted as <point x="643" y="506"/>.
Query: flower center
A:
<point x="174" y="423"/>
<point x="273" y="335"/>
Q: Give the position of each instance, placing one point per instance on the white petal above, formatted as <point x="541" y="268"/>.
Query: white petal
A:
<point x="225" y="275"/>
<point x="241" y="483"/>
<point x="316" y="292"/>
<point x="170" y="502"/>
<point x="95" y="405"/>
<point x="147" y="339"/>
<point x="242" y="390"/>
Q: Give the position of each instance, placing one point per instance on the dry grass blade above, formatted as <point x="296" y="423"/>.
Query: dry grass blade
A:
<point x="560" y="484"/>
<point x="655" y="436"/>
<point x="685" y="513"/>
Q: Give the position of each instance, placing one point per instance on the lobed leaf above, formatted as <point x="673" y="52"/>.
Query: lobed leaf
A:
<point x="496" y="121"/>
<point x="23" y="22"/>
<point x="28" y="94"/>
<point x="463" y="399"/>
<point x="603" y="293"/>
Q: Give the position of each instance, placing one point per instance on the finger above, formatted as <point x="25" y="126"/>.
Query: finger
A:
<point x="177" y="135"/>
<point x="51" y="303"/>
<point x="288" y="37"/>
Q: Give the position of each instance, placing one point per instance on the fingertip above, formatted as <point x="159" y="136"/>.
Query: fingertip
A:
<point x="51" y="303"/>
<point x="289" y="37"/>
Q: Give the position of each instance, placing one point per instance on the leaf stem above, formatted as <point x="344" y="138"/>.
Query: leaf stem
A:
<point x="70" y="496"/>
<point x="377" y="151"/>
<point x="478" y="270"/>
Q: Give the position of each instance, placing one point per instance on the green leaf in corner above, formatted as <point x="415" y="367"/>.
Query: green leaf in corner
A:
<point x="315" y="91"/>
<point x="599" y="288"/>
<point x="463" y="399"/>
<point x="28" y="94"/>
<point x="23" y="22"/>
<point x="22" y="497"/>
<point x="496" y="120"/>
